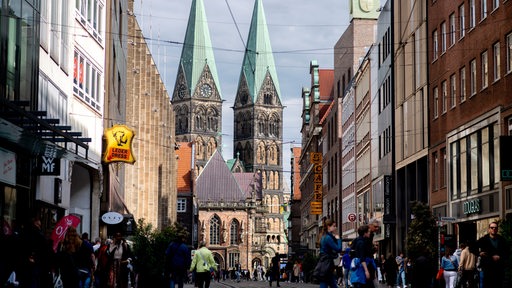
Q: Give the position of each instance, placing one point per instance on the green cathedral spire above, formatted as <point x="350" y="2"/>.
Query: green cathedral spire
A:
<point x="258" y="58"/>
<point x="197" y="48"/>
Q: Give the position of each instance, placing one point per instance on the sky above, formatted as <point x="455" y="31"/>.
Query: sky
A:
<point x="300" y="31"/>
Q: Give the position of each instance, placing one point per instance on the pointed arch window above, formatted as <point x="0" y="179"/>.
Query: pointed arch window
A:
<point x="215" y="230"/>
<point x="233" y="232"/>
<point x="267" y="99"/>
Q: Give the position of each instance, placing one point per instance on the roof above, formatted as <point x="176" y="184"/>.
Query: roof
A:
<point x="258" y="58"/>
<point x="185" y="167"/>
<point x="217" y="183"/>
<point x="249" y="182"/>
<point x="197" y="48"/>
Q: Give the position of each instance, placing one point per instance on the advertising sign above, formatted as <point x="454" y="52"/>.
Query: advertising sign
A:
<point x="119" y="144"/>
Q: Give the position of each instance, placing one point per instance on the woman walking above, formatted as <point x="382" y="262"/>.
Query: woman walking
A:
<point x="450" y="266"/>
<point x="330" y="244"/>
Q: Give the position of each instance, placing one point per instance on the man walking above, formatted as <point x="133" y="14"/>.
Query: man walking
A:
<point x="494" y="255"/>
<point x="177" y="261"/>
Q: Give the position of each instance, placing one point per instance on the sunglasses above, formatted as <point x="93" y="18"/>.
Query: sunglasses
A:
<point x="493" y="227"/>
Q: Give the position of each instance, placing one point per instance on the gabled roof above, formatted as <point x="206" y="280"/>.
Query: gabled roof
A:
<point x="217" y="183"/>
<point x="249" y="182"/>
<point x="258" y="58"/>
<point x="197" y="48"/>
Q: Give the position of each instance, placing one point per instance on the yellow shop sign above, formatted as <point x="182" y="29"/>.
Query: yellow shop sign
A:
<point x="119" y="144"/>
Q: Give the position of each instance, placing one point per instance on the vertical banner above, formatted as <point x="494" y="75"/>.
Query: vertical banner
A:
<point x="316" y="159"/>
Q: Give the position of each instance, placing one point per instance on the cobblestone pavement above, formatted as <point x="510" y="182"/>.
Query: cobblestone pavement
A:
<point x="263" y="284"/>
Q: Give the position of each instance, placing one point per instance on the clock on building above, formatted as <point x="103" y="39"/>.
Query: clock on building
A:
<point x="206" y="90"/>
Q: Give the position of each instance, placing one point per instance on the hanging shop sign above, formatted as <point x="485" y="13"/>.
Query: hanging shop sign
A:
<point x="48" y="163"/>
<point x="112" y="218"/>
<point x="119" y="144"/>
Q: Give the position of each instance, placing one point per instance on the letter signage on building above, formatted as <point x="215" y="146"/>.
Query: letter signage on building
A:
<point x="48" y="163"/>
<point x="119" y="144"/>
<point x="506" y="158"/>
<point x="471" y="206"/>
<point x="316" y="204"/>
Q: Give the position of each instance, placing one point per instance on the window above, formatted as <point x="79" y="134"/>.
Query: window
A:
<point x="442" y="168"/>
<point x="234" y="257"/>
<point x="215" y="230"/>
<point x="436" y="171"/>
<point x="495" y="4"/>
<point x="483" y="9"/>
<point x="443" y="37"/>
<point x="87" y="81"/>
<point x="509" y="53"/>
<point x="64" y="36"/>
<point x="436" y="102"/>
<point x="463" y="167"/>
<point x="453" y="89"/>
<point x="182" y="205"/>
<point x="434" y="45"/>
<point x="452" y="29"/>
<point x="52" y="100"/>
<point x="472" y="12"/>
<point x="444" y="95"/>
<point x="453" y="170"/>
<point x="462" y="18"/>
<point x="472" y="79"/>
<point x="485" y="70"/>
<point x="90" y="14"/>
<point x="496" y="60"/>
<point x="462" y="75"/>
<point x="55" y="28"/>
<point x="233" y="232"/>
<point x="44" y="25"/>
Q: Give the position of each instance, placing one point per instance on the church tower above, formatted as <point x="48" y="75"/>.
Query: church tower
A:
<point x="258" y="128"/>
<point x="197" y="97"/>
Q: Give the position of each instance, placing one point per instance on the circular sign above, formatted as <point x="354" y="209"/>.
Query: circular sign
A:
<point x="351" y="217"/>
<point x="112" y="218"/>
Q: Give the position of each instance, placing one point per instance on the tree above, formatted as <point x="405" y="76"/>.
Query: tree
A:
<point x="422" y="233"/>
<point x="149" y="247"/>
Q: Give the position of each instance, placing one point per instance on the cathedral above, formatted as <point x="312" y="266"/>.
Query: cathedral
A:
<point x="238" y="201"/>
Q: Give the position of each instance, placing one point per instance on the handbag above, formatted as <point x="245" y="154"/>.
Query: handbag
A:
<point x="57" y="281"/>
<point x="440" y="273"/>
<point x="324" y="266"/>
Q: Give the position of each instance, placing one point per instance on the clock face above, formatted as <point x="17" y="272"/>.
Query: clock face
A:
<point x="182" y="90"/>
<point x="206" y="90"/>
<point x="366" y="5"/>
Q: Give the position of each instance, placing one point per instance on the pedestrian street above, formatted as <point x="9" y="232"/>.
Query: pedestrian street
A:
<point x="264" y="284"/>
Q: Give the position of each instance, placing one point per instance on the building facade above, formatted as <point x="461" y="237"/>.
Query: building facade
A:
<point x="470" y="113"/>
<point x="150" y="184"/>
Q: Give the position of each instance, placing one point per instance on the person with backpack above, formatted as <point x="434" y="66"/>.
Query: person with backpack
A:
<point x="346" y="260"/>
<point x="363" y="265"/>
<point x="204" y="264"/>
<point x="177" y="260"/>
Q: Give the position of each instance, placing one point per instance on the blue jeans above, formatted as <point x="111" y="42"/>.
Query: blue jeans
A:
<point x="329" y="282"/>
<point x="400" y="278"/>
<point x="85" y="279"/>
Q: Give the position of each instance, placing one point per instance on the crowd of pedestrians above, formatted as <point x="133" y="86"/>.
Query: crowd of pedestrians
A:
<point x="475" y="264"/>
<point x="29" y="259"/>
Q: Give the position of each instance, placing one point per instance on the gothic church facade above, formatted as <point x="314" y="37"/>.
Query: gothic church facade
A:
<point x="257" y="147"/>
